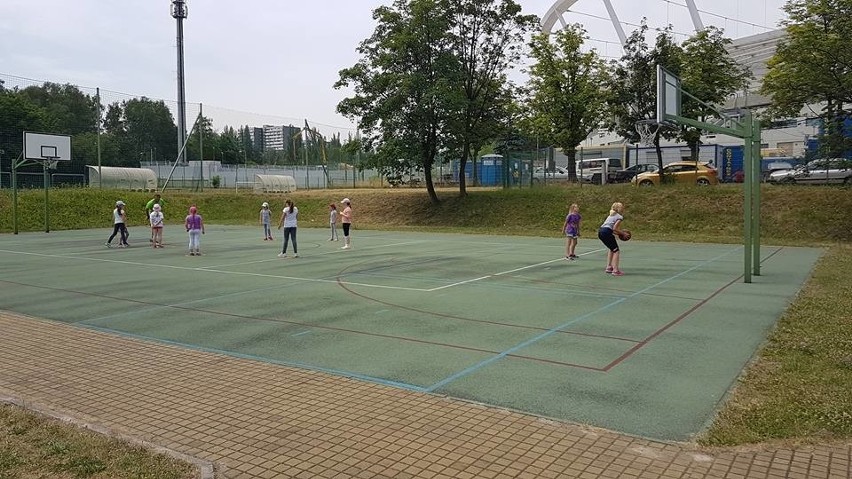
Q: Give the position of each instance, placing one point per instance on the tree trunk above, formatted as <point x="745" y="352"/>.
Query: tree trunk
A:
<point x="571" y="153"/>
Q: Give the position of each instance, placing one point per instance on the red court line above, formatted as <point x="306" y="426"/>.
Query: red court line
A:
<point x="684" y="315"/>
<point x="342" y="284"/>
<point x="295" y="323"/>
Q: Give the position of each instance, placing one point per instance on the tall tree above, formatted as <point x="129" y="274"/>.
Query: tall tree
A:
<point x="74" y="111"/>
<point x="19" y="114"/>
<point x="567" y="100"/>
<point x="404" y="83"/>
<point x="813" y="66"/>
<point x="487" y="38"/>
<point x="709" y="73"/>
<point x="631" y="89"/>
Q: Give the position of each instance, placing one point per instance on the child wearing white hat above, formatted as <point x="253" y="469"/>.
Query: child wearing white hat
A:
<point x="265" y="220"/>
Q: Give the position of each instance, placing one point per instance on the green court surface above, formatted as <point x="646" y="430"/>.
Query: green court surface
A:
<point x="500" y="320"/>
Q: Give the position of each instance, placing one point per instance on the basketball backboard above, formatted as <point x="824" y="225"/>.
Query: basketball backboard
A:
<point x="668" y="95"/>
<point x="42" y="146"/>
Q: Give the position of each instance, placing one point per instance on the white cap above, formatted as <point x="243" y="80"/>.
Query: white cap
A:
<point x="345" y="200"/>
<point x="265" y="204"/>
<point x="156" y="206"/>
<point x="119" y="203"/>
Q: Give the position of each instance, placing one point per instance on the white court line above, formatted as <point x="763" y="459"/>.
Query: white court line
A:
<point x="336" y="251"/>
<point x="501" y="273"/>
<point x="238" y="273"/>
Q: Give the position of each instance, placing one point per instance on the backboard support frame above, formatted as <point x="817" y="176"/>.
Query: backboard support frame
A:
<point x="669" y="109"/>
<point x="48" y="150"/>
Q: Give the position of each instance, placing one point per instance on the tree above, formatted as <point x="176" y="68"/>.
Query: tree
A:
<point x="73" y="111"/>
<point x="567" y="100"/>
<point x="631" y="89"/>
<point x="813" y="66"/>
<point x="487" y="36"/>
<point x="710" y="74"/>
<point x="19" y="114"/>
<point x="404" y="84"/>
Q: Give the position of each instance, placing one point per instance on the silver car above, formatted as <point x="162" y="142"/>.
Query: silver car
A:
<point x="824" y="171"/>
<point x="558" y="174"/>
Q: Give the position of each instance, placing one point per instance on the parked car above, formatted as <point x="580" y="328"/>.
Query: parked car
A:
<point x="543" y="174"/>
<point x="689" y="172"/>
<point x="817" y="172"/>
<point x="627" y="174"/>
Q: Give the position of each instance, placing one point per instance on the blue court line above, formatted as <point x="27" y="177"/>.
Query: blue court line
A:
<point x="294" y="364"/>
<point x="535" y="339"/>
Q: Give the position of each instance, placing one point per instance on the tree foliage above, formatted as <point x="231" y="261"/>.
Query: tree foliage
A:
<point x="632" y="86"/>
<point x="813" y="66"/>
<point x="487" y="38"/>
<point x="710" y="74"/>
<point x="567" y="100"/>
<point x="431" y="79"/>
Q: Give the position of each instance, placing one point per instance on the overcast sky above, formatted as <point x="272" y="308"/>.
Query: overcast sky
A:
<point x="265" y="61"/>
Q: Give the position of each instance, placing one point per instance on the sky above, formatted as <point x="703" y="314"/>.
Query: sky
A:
<point x="268" y="62"/>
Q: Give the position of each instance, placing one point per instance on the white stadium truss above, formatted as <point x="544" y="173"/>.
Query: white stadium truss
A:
<point x="560" y="7"/>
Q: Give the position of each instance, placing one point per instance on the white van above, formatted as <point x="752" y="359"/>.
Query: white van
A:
<point x="588" y="168"/>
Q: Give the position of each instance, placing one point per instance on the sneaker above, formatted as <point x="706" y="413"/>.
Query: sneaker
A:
<point x="618" y="273"/>
<point x="346" y="246"/>
<point x="282" y="255"/>
<point x="108" y="244"/>
<point x="296" y="255"/>
<point x="271" y="238"/>
<point x="192" y="253"/>
<point x="265" y="239"/>
<point x="608" y="270"/>
<point x="574" y="256"/>
<point x="567" y="258"/>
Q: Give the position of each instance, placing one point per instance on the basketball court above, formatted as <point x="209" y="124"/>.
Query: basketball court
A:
<point x="504" y="321"/>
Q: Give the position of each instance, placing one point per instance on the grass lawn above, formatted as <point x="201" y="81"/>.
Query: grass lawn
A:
<point x="797" y="388"/>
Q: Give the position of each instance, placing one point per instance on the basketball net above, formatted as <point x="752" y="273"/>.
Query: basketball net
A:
<point x="647" y="130"/>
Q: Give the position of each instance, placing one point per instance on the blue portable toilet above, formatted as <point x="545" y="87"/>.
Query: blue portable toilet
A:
<point x="490" y="170"/>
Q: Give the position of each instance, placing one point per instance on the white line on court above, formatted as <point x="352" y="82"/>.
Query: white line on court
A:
<point x="336" y="251"/>
<point x="501" y="273"/>
<point x="238" y="273"/>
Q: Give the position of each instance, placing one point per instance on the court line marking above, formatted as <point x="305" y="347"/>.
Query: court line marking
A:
<point x="238" y="273"/>
<point x="294" y="364"/>
<point x="641" y="344"/>
<point x="502" y="273"/>
<point x="475" y="367"/>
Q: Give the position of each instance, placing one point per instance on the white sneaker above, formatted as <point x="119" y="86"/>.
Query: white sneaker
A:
<point x="345" y="246"/>
<point x="282" y="255"/>
<point x="296" y="255"/>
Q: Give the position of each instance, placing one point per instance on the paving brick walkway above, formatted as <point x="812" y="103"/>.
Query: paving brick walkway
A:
<point x="258" y="420"/>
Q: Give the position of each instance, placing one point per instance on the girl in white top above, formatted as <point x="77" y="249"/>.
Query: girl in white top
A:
<point x="119" y="220"/>
<point x="157" y="218"/>
<point x="289" y="221"/>
<point x="607" y="232"/>
<point x="332" y="222"/>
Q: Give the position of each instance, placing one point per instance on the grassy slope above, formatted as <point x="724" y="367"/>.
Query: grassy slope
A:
<point x="798" y="387"/>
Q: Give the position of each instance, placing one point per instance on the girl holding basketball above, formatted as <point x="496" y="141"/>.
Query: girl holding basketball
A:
<point x="607" y="233"/>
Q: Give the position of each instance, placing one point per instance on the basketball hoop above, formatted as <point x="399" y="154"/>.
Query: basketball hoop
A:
<point x="648" y="130"/>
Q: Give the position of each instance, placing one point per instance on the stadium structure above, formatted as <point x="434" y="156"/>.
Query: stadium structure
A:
<point x="788" y="137"/>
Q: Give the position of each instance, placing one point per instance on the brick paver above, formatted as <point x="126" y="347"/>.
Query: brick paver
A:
<point x="259" y="420"/>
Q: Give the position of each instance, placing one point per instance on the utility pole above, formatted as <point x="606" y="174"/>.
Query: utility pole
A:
<point x="179" y="12"/>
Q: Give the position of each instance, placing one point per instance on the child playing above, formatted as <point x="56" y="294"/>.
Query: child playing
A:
<point x="332" y="221"/>
<point x="119" y="222"/>
<point x="571" y="228"/>
<point x="347" y="223"/>
<point x="156" y="218"/>
<point x="609" y="229"/>
<point x="265" y="219"/>
<point x="195" y="227"/>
